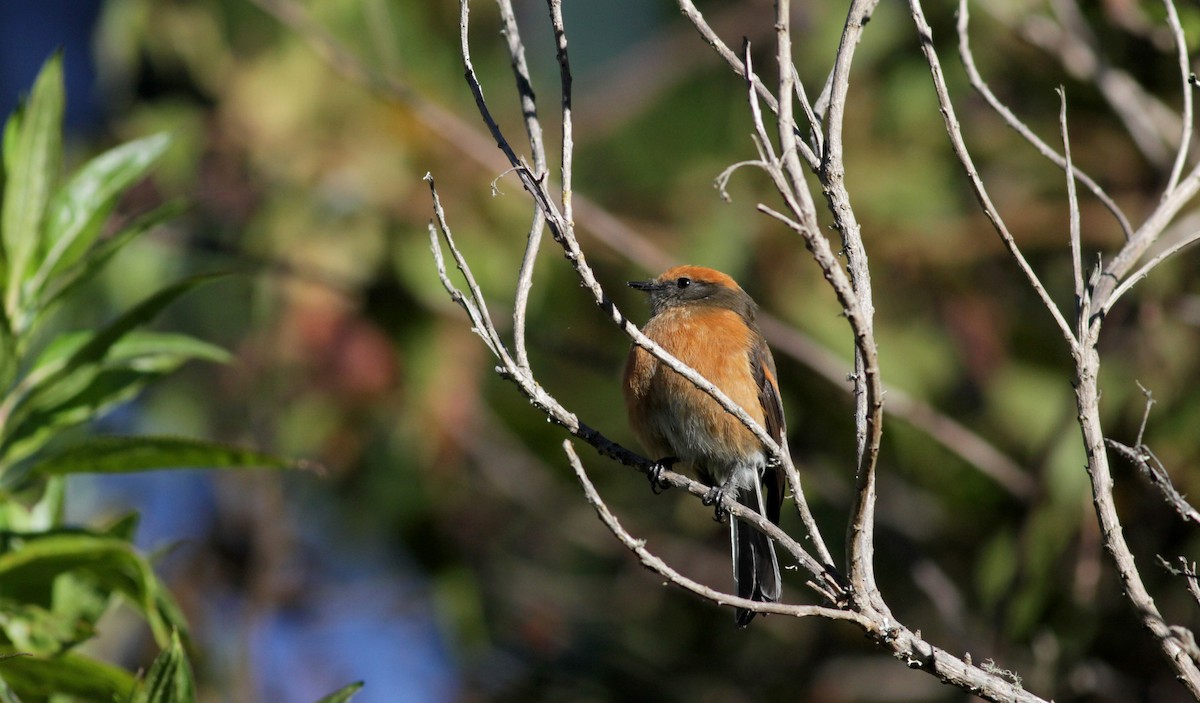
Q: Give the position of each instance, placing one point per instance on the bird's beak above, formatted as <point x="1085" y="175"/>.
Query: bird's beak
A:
<point x="646" y="286"/>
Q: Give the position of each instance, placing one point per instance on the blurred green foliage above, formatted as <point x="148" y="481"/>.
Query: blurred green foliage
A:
<point x="58" y="581"/>
<point x="348" y="352"/>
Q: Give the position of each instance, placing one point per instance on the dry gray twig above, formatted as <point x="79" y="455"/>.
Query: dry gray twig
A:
<point x="1094" y="300"/>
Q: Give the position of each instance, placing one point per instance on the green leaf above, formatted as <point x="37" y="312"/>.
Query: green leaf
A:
<point x="103" y="340"/>
<point x="128" y="454"/>
<point x="9" y="354"/>
<point x="43" y="513"/>
<point x="132" y="363"/>
<point x="343" y="694"/>
<point x="80" y="207"/>
<point x="67" y="369"/>
<point x="31" y="175"/>
<point x="169" y="679"/>
<point x="37" y="630"/>
<point x="12" y="131"/>
<point x="67" y="674"/>
<point x="86" y="268"/>
<point x="30" y="569"/>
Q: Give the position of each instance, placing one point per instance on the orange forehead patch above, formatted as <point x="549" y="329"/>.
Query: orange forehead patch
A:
<point x="699" y="273"/>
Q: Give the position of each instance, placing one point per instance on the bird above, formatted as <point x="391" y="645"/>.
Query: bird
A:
<point x="705" y="319"/>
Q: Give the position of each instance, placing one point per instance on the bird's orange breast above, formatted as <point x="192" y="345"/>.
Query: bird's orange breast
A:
<point x="668" y="413"/>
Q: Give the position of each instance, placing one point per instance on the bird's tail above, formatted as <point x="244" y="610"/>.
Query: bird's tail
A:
<point x="755" y="568"/>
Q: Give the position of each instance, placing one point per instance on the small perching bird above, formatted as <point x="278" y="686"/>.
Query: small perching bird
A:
<point x="706" y="320"/>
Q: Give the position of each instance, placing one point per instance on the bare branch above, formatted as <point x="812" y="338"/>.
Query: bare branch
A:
<point x="925" y="35"/>
<point x="1186" y="77"/>
<point x="1154" y="472"/>
<point x="475" y="306"/>
<point x="1145" y="270"/>
<point x="1188" y="571"/>
<point x="868" y="384"/>
<point x="1073" y="205"/>
<point x="808" y="151"/>
<point x="980" y="85"/>
<point x="623" y="240"/>
<point x="654" y="563"/>
<point x="533" y="127"/>
<point x="1080" y="52"/>
<point x="568" y="137"/>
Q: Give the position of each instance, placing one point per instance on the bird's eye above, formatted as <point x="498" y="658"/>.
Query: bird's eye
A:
<point x="683" y="282"/>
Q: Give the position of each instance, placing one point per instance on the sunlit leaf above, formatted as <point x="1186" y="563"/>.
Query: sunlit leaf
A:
<point x="343" y="694"/>
<point x="37" y="630"/>
<point x="92" y="390"/>
<point x="72" y="364"/>
<point x="169" y="679"/>
<point x="31" y="173"/>
<point x="80" y="207"/>
<point x="129" y="454"/>
<point x="82" y="271"/>
<point x="103" y="340"/>
<point x="67" y="674"/>
<point x="32" y="567"/>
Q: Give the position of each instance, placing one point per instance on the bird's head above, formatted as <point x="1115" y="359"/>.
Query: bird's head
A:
<point x="695" y="286"/>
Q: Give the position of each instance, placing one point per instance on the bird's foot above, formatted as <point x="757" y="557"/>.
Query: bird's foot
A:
<point x="655" y="473"/>
<point x="716" y="498"/>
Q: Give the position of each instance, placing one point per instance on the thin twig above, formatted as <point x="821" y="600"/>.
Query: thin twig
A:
<point x="533" y="128"/>
<point x="620" y="238"/>
<point x="967" y="57"/>
<point x="1145" y="413"/>
<point x="657" y="565"/>
<point x="1186" y="78"/>
<point x="712" y="39"/>
<point x="1081" y="304"/>
<point x="1145" y="269"/>
<point x="954" y="130"/>
<point x="562" y="231"/>
<point x="1150" y="467"/>
<point x="568" y="137"/>
<point x="1081" y="54"/>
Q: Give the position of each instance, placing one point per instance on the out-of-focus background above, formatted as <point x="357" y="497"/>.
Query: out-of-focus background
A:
<point x="448" y="554"/>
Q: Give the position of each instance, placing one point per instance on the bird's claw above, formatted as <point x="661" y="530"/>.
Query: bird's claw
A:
<point x="655" y="473"/>
<point x="716" y="497"/>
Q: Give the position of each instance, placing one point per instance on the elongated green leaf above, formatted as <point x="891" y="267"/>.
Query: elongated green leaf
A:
<point x="12" y="130"/>
<point x="28" y="571"/>
<point x="343" y="694"/>
<point x="44" y="514"/>
<point x="9" y="355"/>
<point x="69" y="280"/>
<point x="128" y="454"/>
<point x="80" y="207"/>
<point x="37" y="630"/>
<point x="140" y="354"/>
<point x="68" y="674"/>
<point x="134" y="362"/>
<point x="103" y="340"/>
<point x="135" y="345"/>
<point x="69" y="366"/>
<point x="169" y="679"/>
<point x="30" y="178"/>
